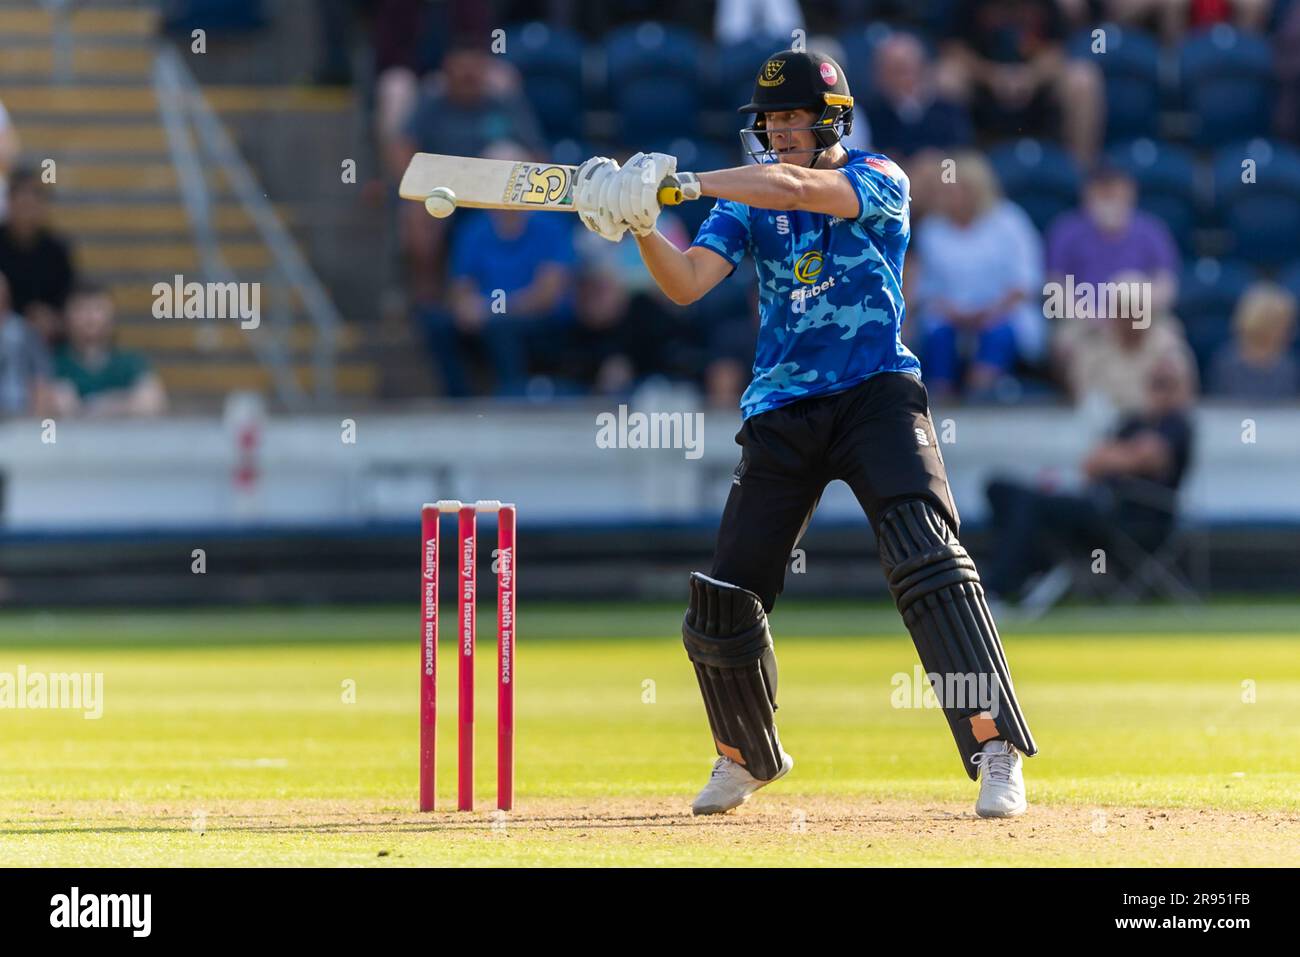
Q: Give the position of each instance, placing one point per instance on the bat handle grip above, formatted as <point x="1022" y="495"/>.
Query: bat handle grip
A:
<point x="679" y="188"/>
<point x="670" y="194"/>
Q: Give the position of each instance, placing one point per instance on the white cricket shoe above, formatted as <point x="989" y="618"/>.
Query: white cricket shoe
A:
<point x="730" y="785"/>
<point x="1002" y="782"/>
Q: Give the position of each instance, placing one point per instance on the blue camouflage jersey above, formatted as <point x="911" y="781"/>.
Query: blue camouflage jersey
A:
<point x="830" y="289"/>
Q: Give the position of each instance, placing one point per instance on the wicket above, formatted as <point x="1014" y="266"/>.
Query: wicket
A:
<point x="467" y="593"/>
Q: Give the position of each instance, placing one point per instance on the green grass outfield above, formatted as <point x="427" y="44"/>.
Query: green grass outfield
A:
<point x="230" y="738"/>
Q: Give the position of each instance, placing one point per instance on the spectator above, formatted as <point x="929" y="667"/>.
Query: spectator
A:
<point x="1172" y="19"/>
<point x="979" y="285"/>
<point x="24" y="363"/>
<point x="906" y="113"/>
<point x="1006" y="58"/>
<point x="477" y="103"/>
<point x="1286" y="54"/>
<point x="34" y="257"/>
<point x="512" y="287"/>
<point x="94" y="377"/>
<point x="627" y="324"/>
<point x="1112" y="359"/>
<point x="9" y="150"/>
<point x="1131" y="483"/>
<point x="1110" y="235"/>
<point x="736" y="21"/>
<point x="1257" y="365"/>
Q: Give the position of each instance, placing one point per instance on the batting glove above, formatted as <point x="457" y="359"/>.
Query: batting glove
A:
<point x="593" y="198"/>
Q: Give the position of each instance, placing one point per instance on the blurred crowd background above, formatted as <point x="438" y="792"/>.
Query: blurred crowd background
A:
<point x="1100" y="141"/>
<point x="1103" y="141"/>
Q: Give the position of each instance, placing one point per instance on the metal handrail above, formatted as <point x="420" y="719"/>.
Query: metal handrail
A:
<point x="181" y="101"/>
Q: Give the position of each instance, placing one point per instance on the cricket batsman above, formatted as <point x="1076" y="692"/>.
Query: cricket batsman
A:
<point x="835" y="395"/>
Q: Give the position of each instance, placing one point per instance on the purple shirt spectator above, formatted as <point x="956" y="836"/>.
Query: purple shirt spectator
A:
<point x="1076" y="246"/>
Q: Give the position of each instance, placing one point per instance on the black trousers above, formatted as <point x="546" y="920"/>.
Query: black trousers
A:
<point x="877" y="437"/>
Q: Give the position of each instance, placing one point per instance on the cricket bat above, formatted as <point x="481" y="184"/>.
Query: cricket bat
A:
<point x="503" y="184"/>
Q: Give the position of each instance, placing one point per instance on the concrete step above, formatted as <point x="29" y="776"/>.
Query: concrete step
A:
<point x="134" y="298"/>
<point x="95" y="220"/>
<point x="87" y="21"/>
<point x="123" y="179"/>
<point x="203" y="377"/>
<point x="104" y="63"/>
<point x="117" y="100"/>
<point x="87" y="100"/>
<point x="188" y="336"/>
<point x="162" y="259"/>
<point x="137" y="139"/>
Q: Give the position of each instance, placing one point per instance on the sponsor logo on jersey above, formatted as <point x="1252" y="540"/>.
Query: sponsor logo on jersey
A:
<point x="885" y="166"/>
<point x="783" y="225"/>
<point x="809" y="267"/>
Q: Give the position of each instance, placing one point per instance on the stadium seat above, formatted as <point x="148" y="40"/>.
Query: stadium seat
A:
<point x="735" y="68"/>
<point x="656" y="72"/>
<point x="1289" y="278"/>
<point x="1039" y="176"/>
<point x="1260" y="217"/>
<point x="217" y="16"/>
<point x="1166" y="178"/>
<point x="1207" y="296"/>
<point x="1131" y="67"/>
<point x="550" y="61"/>
<point x="1227" y="83"/>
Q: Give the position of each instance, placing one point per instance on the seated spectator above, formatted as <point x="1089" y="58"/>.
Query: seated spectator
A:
<point x="1257" y="364"/>
<point x="1173" y="19"/>
<point x="469" y="107"/>
<point x="737" y="21"/>
<point x="512" y="289"/>
<point x="24" y="363"/>
<point x="627" y="329"/>
<point x="906" y="113"/>
<point x="1286" y="56"/>
<point x="980" y="263"/>
<point x="1109" y="235"/>
<point x="1110" y="359"/>
<point x="92" y="376"/>
<point x="1006" y="59"/>
<point x="1131" y="482"/>
<point x="469" y="110"/>
<point x="34" y="258"/>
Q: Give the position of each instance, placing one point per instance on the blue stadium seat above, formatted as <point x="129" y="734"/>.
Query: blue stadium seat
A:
<point x="656" y="75"/>
<point x="736" y="66"/>
<point x="1131" y="67"/>
<point x="1261" y="217"/>
<point x="1290" y="278"/>
<point x="1227" y="83"/>
<point x="550" y="61"/>
<point x="1039" y="176"/>
<point x="1166" y="179"/>
<point x="1207" y="296"/>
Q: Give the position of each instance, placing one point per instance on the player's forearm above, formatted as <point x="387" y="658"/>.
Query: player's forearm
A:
<point x="670" y="268"/>
<point x="765" y="186"/>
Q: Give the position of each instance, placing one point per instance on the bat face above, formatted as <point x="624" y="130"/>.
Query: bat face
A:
<point x="490" y="184"/>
